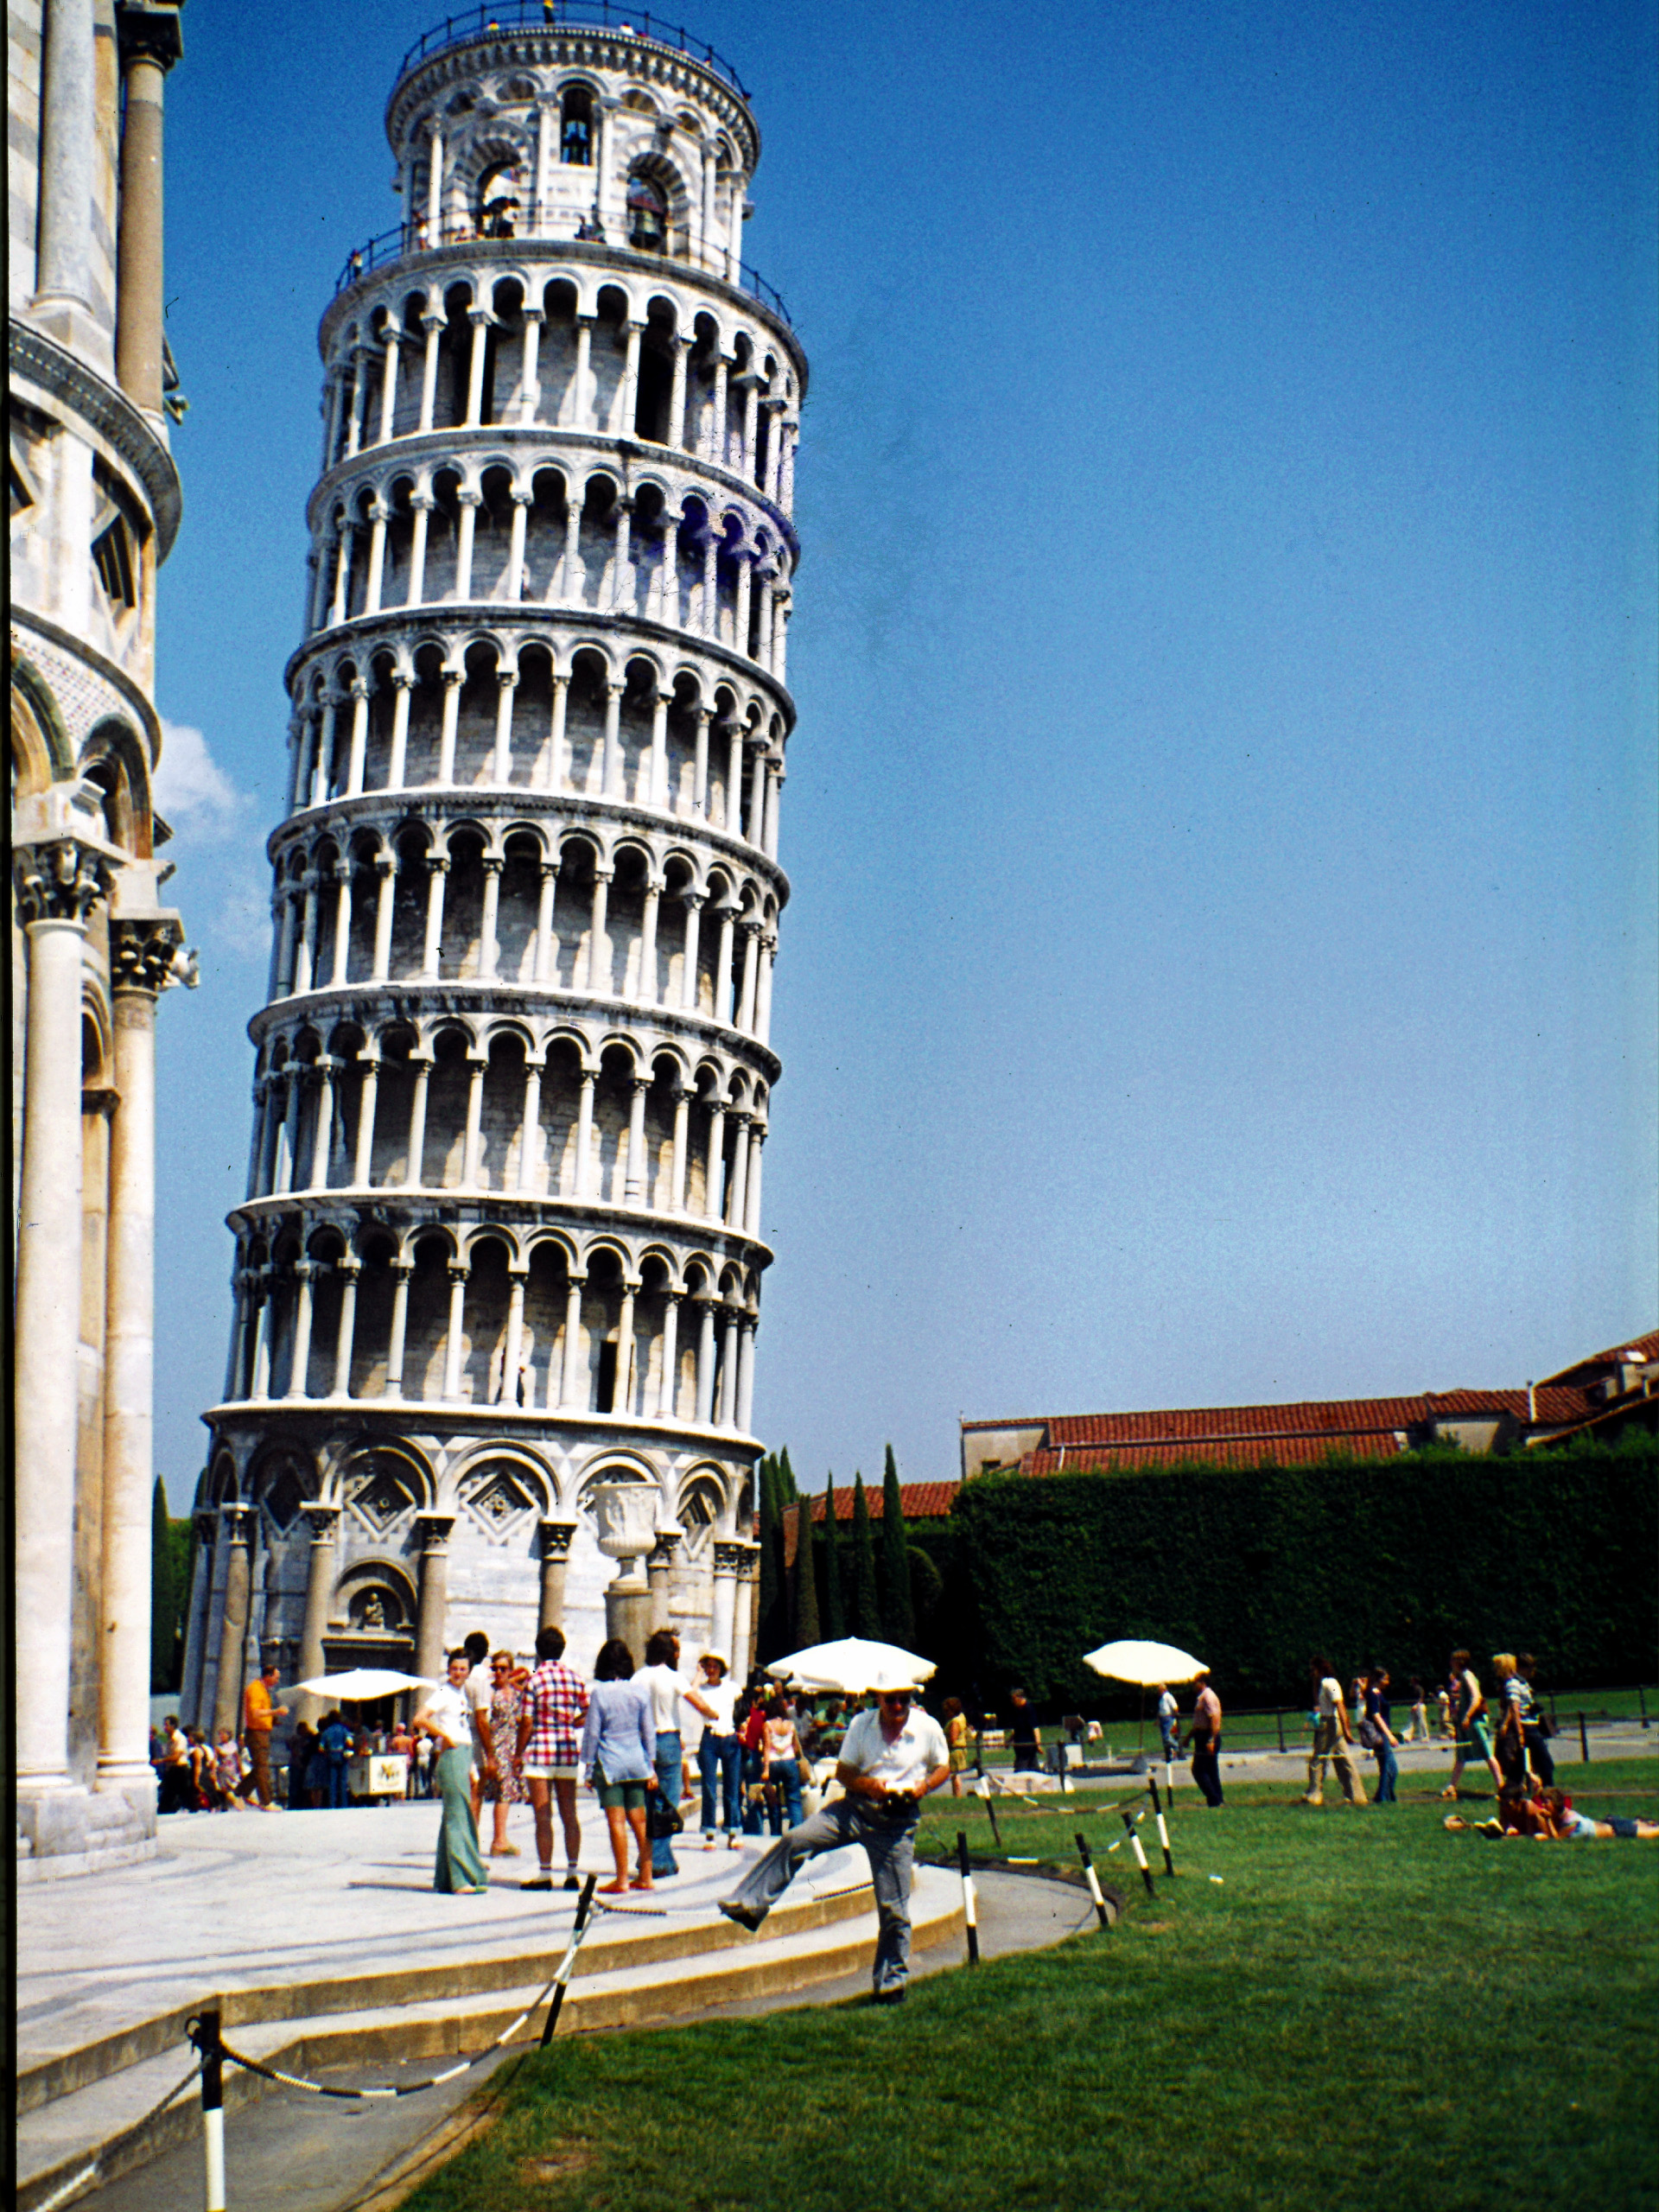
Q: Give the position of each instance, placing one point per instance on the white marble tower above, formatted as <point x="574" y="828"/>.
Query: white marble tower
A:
<point x="502" y="1245"/>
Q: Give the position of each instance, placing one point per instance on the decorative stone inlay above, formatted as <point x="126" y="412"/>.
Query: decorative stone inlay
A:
<point x="380" y="1497"/>
<point x="284" y="1495"/>
<point x="496" y="1501"/>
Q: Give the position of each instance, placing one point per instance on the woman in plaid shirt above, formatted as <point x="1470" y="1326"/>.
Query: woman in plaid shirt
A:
<point x="549" y="1751"/>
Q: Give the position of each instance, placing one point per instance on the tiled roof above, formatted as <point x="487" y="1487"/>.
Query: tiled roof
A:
<point x="1598" y="1362"/>
<point x="1225" y="1451"/>
<point x="920" y="1501"/>
<point x="1314" y="1418"/>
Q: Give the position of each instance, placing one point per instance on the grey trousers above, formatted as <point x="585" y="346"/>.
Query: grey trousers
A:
<point x="891" y="1844"/>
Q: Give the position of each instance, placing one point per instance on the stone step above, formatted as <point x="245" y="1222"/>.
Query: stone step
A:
<point x="76" y="2048"/>
<point x="794" y="1950"/>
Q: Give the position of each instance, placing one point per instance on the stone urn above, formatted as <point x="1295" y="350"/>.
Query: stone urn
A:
<point x="625" y="1521"/>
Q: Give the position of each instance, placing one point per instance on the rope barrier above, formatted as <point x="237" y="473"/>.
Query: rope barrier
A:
<point x="91" y="2171"/>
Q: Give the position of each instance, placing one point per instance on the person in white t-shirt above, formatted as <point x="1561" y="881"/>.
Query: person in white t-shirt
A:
<point x="446" y="1717"/>
<point x="1333" y="1737"/>
<point x="1169" y="1722"/>
<point x="660" y="1680"/>
<point x="891" y="1756"/>
<point x="719" y="1753"/>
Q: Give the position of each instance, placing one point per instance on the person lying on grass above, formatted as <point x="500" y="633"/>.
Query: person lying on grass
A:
<point x="1549" y="1817"/>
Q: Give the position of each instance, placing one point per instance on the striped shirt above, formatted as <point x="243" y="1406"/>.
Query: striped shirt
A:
<point x="556" y="1702"/>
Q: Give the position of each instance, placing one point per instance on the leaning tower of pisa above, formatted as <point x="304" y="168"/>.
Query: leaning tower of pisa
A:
<point x="498" y="1271"/>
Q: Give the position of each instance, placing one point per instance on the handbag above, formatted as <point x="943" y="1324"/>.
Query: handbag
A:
<point x="1370" y="1736"/>
<point x="662" y="1818"/>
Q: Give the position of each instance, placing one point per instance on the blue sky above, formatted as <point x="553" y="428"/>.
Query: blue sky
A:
<point x="1222" y="959"/>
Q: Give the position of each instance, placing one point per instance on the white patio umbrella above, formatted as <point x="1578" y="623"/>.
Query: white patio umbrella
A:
<point x="1144" y="1663"/>
<point x="853" y="1664"/>
<point x="358" y="1684"/>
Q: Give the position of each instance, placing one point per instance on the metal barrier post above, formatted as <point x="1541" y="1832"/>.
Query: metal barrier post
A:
<point x="1163" y="1832"/>
<point x="1140" y="1855"/>
<point x="990" y="1810"/>
<point x="584" y="1905"/>
<point x="1584" y="1740"/>
<point x="1642" y="1702"/>
<point x="1093" y="1879"/>
<point x="213" y="2111"/>
<point x="968" y="1906"/>
<point x="1279" y="1718"/>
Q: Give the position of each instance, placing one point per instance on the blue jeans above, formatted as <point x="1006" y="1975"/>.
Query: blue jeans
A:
<point x="889" y="1839"/>
<point x="334" y="1795"/>
<point x="787" y="1775"/>
<point x="718" y="1763"/>
<point x="1387" y="1768"/>
<point x="752" y="1765"/>
<point x="668" y="1791"/>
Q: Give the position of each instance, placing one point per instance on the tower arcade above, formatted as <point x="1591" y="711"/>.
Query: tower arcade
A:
<point x="502" y="1241"/>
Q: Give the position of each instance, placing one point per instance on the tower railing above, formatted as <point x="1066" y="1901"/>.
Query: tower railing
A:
<point x="549" y="222"/>
<point x="575" y="15"/>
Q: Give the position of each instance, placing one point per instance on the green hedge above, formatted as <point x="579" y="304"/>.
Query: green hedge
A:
<point x="1253" y="1570"/>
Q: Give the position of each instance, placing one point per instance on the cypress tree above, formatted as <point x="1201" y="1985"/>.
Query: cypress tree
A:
<point x="807" y="1630"/>
<point x="898" y="1618"/>
<point x="787" y="1493"/>
<point x="866" y="1608"/>
<point x="833" y="1611"/>
<point x="163" y="1594"/>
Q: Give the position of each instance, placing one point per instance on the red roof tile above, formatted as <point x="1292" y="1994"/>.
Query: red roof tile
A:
<point x="1328" y="1418"/>
<point x="1598" y="1361"/>
<point x="1225" y="1451"/>
<point x="920" y="1501"/>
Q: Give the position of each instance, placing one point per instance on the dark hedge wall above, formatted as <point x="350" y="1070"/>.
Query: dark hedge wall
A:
<point x="1253" y="1570"/>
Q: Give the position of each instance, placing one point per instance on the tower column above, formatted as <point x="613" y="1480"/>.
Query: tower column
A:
<point x="237" y="1521"/>
<point x="56" y="885"/>
<point x="434" y="1603"/>
<point x="323" y="1522"/>
<point x="142" y="955"/>
<point x="150" y="45"/>
<point x="556" y="1558"/>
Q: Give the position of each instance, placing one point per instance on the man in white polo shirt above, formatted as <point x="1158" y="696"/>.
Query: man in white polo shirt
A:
<point x="891" y="1756"/>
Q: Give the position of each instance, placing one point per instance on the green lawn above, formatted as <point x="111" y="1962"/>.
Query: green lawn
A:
<point x="1364" y="2012"/>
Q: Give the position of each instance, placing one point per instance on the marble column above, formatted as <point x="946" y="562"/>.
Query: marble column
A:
<point x="556" y="1558"/>
<point x="142" y="954"/>
<point x="433" y="1531"/>
<point x="729" y="1561"/>
<point x="324" y="1522"/>
<point x="150" y="45"/>
<point x="201" y="1588"/>
<point x="660" y="1569"/>
<point x="67" y="157"/>
<point x="743" y="1614"/>
<point x="56" y="885"/>
<point x="237" y="1521"/>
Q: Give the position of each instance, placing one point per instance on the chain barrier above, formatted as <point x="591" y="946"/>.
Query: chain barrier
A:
<point x="203" y="2031"/>
<point x="94" y="2167"/>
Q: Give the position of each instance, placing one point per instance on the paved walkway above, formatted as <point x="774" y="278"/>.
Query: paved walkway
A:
<point x="294" y="2153"/>
<point x="237" y="1900"/>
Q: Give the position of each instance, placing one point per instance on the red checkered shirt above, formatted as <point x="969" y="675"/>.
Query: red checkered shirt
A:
<point x="556" y="1702"/>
